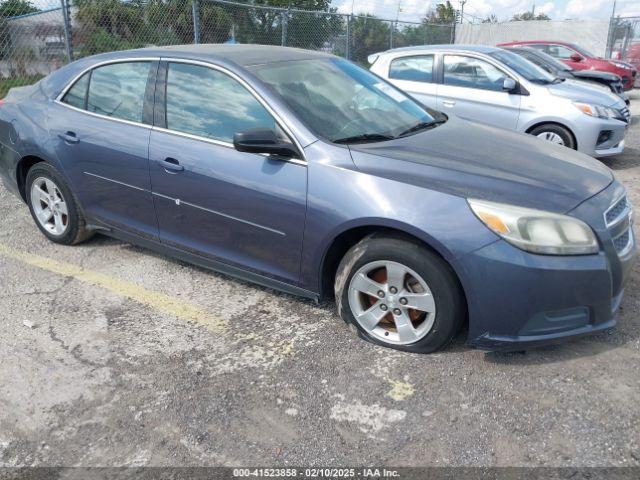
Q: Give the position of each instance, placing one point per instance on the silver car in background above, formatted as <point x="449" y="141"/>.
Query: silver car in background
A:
<point x="497" y="87"/>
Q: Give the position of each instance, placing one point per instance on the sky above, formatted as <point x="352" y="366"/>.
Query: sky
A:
<point x="414" y="10"/>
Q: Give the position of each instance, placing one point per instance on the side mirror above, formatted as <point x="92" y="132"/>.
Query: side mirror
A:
<point x="575" y="57"/>
<point x="509" y="84"/>
<point x="263" y="140"/>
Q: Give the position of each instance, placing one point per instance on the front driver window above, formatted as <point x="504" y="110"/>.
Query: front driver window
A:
<point x="208" y="103"/>
<point x="463" y="71"/>
<point x="560" y="52"/>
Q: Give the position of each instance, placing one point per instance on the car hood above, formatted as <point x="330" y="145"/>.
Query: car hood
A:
<point x="608" y="76"/>
<point x="474" y="160"/>
<point x="581" y="92"/>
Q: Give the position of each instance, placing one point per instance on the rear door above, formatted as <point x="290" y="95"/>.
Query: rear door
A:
<point x="101" y="136"/>
<point x="416" y="75"/>
<point x="472" y="88"/>
<point x="244" y="209"/>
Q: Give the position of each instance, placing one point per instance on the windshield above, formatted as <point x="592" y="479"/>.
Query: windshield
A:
<point x="342" y="102"/>
<point x="523" y="67"/>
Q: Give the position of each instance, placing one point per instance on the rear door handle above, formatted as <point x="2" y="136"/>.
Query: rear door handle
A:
<point x="69" y="137"/>
<point x="448" y="103"/>
<point x="171" y="165"/>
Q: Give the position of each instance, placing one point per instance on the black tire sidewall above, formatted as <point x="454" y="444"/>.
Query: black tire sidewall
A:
<point x="446" y="290"/>
<point x="567" y="138"/>
<point x="47" y="171"/>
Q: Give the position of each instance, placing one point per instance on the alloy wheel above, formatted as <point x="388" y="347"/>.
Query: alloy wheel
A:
<point x="392" y="302"/>
<point x="49" y="206"/>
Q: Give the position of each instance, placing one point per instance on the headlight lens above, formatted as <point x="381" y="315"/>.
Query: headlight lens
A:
<point x="535" y="230"/>
<point x="596" y="110"/>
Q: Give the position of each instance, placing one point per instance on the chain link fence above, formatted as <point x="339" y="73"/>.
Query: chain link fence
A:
<point x="624" y="41"/>
<point x="37" y="40"/>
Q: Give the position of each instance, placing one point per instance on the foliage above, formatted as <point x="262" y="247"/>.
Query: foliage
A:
<point x="14" y="8"/>
<point x="491" y="19"/>
<point x="7" y="83"/>
<point x="443" y="14"/>
<point x="369" y="35"/>
<point x="107" y="25"/>
<point x="521" y="17"/>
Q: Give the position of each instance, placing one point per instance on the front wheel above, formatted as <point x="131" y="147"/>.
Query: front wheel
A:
<point x="399" y="294"/>
<point x="555" y="134"/>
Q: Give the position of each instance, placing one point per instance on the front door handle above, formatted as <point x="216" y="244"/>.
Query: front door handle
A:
<point x="171" y="165"/>
<point x="448" y="103"/>
<point x="69" y="137"/>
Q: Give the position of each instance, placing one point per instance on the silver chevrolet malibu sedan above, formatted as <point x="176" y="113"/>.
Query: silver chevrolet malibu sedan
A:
<point x="497" y="87"/>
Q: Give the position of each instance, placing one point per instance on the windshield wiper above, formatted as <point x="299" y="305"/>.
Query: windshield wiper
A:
<point x="421" y="126"/>
<point x="365" y="137"/>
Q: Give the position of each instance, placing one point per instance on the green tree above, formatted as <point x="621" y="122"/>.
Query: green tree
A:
<point x="8" y="9"/>
<point x="522" y="17"/>
<point x="444" y="13"/>
<point x="369" y="35"/>
<point x="14" y="8"/>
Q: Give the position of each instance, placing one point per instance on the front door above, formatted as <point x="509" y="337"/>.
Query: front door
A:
<point x="102" y="141"/>
<point x="240" y="208"/>
<point x="472" y="88"/>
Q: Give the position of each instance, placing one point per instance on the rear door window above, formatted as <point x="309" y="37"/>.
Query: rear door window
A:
<point x="418" y="68"/>
<point x="470" y="72"/>
<point x="117" y="90"/>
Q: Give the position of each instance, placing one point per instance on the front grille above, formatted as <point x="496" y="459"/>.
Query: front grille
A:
<point x="616" y="211"/>
<point x="618" y="219"/>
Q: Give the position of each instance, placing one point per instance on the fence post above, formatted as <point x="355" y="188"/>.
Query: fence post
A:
<point x="392" y="27"/>
<point x="195" y="9"/>
<point x="285" y="22"/>
<point x="348" y="49"/>
<point x="68" y="36"/>
<point x="453" y="33"/>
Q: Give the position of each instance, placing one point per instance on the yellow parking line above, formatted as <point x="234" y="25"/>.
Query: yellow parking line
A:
<point x="159" y="301"/>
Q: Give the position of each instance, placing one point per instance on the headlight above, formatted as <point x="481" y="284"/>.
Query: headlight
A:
<point x="596" y="110"/>
<point x="535" y="230"/>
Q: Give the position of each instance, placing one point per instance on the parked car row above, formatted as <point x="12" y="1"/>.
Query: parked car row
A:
<point x="501" y="88"/>
<point x="580" y="59"/>
<point x="561" y="70"/>
<point x="304" y="172"/>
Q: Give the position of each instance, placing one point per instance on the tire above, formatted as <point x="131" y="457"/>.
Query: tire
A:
<point x="381" y="258"/>
<point x="552" y="130"/>
<point x="67" y="223"/>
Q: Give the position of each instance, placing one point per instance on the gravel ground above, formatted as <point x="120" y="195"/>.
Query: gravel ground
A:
<point x="112" y="355"/>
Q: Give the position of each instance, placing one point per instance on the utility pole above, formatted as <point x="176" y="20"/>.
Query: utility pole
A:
<point x="462" y="2"/>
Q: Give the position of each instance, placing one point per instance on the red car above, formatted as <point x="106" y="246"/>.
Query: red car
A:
<point x="580" y="59"/>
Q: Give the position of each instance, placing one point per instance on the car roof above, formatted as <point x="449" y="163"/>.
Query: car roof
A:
<point x="449" y="47"/>
<point x="241" y="54"/>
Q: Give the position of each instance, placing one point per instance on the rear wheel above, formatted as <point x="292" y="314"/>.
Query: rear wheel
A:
<point x="399" y="294"/>
<point x="53" y="207"/>
<point x="555" y="134"/>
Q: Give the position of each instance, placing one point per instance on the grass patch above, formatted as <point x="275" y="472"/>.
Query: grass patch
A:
<point x="8" y="83"/>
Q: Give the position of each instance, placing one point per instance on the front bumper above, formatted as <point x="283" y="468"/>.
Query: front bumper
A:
<point x="589" y="129"/>
<point x="520" y="300"/>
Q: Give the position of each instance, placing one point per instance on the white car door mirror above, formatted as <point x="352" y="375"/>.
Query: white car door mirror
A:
<point x="509" y="84"/>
